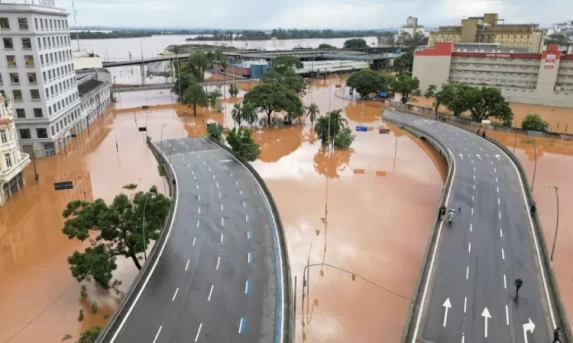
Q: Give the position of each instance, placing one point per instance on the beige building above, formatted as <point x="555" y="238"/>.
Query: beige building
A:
<point x="487" y="29"/>
<point x="12" y="161"/>
<point x="412" y="27"/>
<point x="543" y="79"/>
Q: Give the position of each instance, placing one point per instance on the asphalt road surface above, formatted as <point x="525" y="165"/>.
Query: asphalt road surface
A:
<point x="489" y="244"/>
<point x="216" y="279"/>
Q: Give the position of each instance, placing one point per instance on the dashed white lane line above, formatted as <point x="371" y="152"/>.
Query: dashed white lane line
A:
<point x="221" y="207"/>
<point x="473" y="199"/>
<point x="497" y="189"/>
<point x="474" y="169"/>
<point x="209" y="169"/>
<point x="187" y="265"/>
<point x="221" y="238"/>
<point x="471" y="227"/>
<point x="240" y="192"/>
<point x="494" y="170"/>
<point x="204" y="163"/>
<point x="247" y="217"/>
<point x="210" y="293"/>
<point x="470" y="247"/>
<point x="199" y="157"/>
<point x="250" y="258"/>
<point x="197" y="186"/>
<point x="501" y="233"/>
<point x="498" y="201"/>
<point x="496" y="180"/>
<point x="198" y="209"/>
<point x="157" y="334"/>
<point x="222" y="221"/>
<point x="194" y="240"/>
<point x="244" y="204"/>
<point x="198" y="196"/>
<point x="213" y="176"/>
<point x="502" y="254"/>
<point x="188" y="166"/>
<point x="219" y="194"/>
<point x="506" y="315"/>
<point x="192" y="171"/>
<point x="474" y="186"/>
<point x="491" y="162"/>
<point x="197" y="223"/>
<point x="472" y="211"/>
<point x="237" y="183"/>
<point x="465" y="303"/>
<point x="465" y="149"/>
<point x="474" y="177"/>
<point x="499" y="212"/>
<point x="247" y="286"/>
<point x="472" y="161"/>
<point x="467" y="272"/>
<point x="218" y="261"/>
<point x="249" y="235"/>
<point x="504" y="282"/>
<point x="195" y="178"/>
<point x="217" y="184"/>
<point x="174" y="295"/>
<point x="198" y="332"/>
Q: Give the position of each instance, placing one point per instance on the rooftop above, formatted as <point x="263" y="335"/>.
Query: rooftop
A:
<point x="88" y="86"/>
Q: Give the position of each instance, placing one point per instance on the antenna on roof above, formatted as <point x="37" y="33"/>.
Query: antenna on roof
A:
<point x="76" y="24"/>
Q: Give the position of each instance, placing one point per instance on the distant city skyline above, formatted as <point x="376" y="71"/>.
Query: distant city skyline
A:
<point x="306" y="14"/>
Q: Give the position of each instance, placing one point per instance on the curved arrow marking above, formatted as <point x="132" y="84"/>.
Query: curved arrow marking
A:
<point x="528" y="327"/>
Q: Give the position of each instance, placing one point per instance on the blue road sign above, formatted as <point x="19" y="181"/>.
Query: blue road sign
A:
<point x="361" y="128"/>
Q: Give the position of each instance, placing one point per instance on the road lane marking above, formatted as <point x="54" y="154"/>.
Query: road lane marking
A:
<point x="188" y="166"/>
<point x="174" y="295"/>
<point x="198" y="197"/>
<point x="494" y="170"/>
<point x="221" y="238"/>
<point x="474" y="186"/>
<point x="491" y="162"/>
<point x="218" y="260"/>
<point x="472" y="161"/>
<point x="187" y="265"/>
<point x="504" y="282"/>
<point x="219" y="194"/>
<point x="210" y="170"/>
<point x="222" y="221"/>
<point x="470" y="247"/>
<point x="496" y="180"/>
<point x="473" y="199"/>
<point x="467" y="272"/>
<point x="204" y="163"/>
<point x="248" y="287"/>
<point x="498" y="201"/>
<point x="244" y="204"/>
<point x="198" y="332"/>
<point x="194" y="240"/>
<point x="231" y="174"/>
<point x="240" y="192"/>
<point x="192" y="171"/>
<point x="472" y="211"/>
<point x="250" y="258"/>
<point x="198" y="209"/>
<point x="197" y="186"/>
<point x="197" y="223"/>
<point x="246" y="217"/>
<point x="506" y="315"/>
<point x="497" y="189"/>
<point x="217" y="184"/>
<point x="465" y="303"/>
<point x="195" y="178"/>
<point x="474" y="177"/>
<point x="221" y="207"/>
<point x="248" y="235"/>
<point x="500" y="233"/>
<point x="157" y="334"/>
<point x="210" y="292"/>
<point x="474" y="169"/>
<point x="499" y="215"/>
<point x="471" y="226"/>
<point x="213" y="176"/>
<point x="242" y="324"/>
<point x="236" y="183"/>
<point x="502" y="254"/>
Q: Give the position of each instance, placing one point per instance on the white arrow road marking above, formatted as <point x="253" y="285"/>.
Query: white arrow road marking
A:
<point x="462" y="156"/>
<point x="528" y="327"/>
<point x="478" y="156"/>
<point x="485" y="314"/>
<point x="497" y="156"/>
<point x="447" y="305"/>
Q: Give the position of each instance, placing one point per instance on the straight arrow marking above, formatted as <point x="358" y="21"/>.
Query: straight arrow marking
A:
<point x="485" y="314"/>
<point x="447" y="305"/>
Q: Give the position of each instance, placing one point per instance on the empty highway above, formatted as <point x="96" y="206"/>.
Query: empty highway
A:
<point x="216" y="279"/>
<point x="470" y="293"/>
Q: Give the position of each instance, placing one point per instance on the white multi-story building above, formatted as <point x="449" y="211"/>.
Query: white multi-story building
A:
<point x="565" y="27"/>
<point x="411" y="28"/>
<point x="37" y="74"/>
<point x="12" y="161"/>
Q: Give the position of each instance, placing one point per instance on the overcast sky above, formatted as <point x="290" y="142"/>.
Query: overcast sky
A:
<point x="308" y="14"/>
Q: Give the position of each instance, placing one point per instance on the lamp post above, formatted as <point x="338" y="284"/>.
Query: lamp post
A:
<point x="161" y="144"/>
<point x="535" y="166"/>
<point x="143" y="228"/>
<point x="36" y="175"/>
<point x="557" y="224"/>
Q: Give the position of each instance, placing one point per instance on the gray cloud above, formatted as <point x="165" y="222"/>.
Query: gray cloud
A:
<point x="310" y="14"/>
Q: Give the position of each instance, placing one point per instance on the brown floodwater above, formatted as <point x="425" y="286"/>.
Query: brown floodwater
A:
<point x="372" y="188"/>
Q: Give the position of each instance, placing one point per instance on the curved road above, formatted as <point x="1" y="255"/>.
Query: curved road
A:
<point x="216" y="280"/>
<point x="488" y="246"/>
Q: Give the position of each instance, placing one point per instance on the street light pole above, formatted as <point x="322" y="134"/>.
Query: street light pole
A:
<point x="557" y="224"/>
<point x="143" y="228"/>
<point x="535" y="166"/>
<point x="36" y="175"/>
<point x="162" y="127"/>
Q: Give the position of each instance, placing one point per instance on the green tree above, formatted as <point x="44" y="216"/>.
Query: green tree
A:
<point x="452" y="96"/>
<point x="326" y="46"/>
<point x="286" y="62"/>
<point x="243" y="144"/>
<point x="355" y="43"/>
<point x="195" y="96"/>
<point x="90" y="335"/>
<point x="182" y="82"/>
<point x="233" y="90"/>
<point x="287" y="78"/>
<point x="212" y="98"/>
<point x="334" y="121"/>
<point x="367" y="81"/>
<point x="215" y="131"/>
<point x="272" y="97"/>
<point x="534" y="122"/>
<point x="387" y="38"/>
<point x="408" y="87"/>
<point x="486" y="102"/>
<point x="404" y="63"/>
<point x="197" y="64"/>
<point x="312" y="111"/>
<point x="344" y="138"/>
<point x="237" y="113"/>
<point x="249" y="113"/>
<point x="119" y="231"/>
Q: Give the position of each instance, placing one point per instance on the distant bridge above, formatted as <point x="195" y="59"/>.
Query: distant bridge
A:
<point x="144" y="61"/>
<point x="137" y="88"/>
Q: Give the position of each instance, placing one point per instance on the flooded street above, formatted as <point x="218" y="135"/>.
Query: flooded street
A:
<point x="371" y="190"/>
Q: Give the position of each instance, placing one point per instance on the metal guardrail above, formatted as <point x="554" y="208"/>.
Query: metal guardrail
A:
<point x="115" y="321"/>
<point x="289" y="319"/>
<point x="563" y="322"/>
<point x="432" y="242"/>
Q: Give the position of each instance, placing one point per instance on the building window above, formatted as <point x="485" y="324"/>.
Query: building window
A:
<point x="17" y="95"/>
<point x="36" y="23"/>
<point x="4" y="23"/>
<point x="47" y="93"/>
<point x="25" y="134"/>
<point x="8" y="44"/>
<point x="29" y="59"/>
<point x="8" y="160"/>
<point x="35" y="94"/>
<point x="38" y="113"/>
<point x="50" y="108"/>
<point x="14" y="78"/>
<point x="51" y="25"/>
<point x="44" y="76"/>
<point x="26" y="44"/>
<point x="42" y="133"/>
<point x="32" y="79"/>
<point x="23" y="23"/>
<point x="53" y="131"/>
<point x="40" y="43"/>
<point x="42" y="60"/>
<point x="11" y="60"/>
<point x="20" y="113"/>
<point x="3" y="136"/>
<point x="1" y="82"/>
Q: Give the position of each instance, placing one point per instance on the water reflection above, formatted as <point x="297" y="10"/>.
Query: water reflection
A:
<point x="330" y="164"/>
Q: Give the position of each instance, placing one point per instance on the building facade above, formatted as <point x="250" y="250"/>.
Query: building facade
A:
<point x="487" y="29"/>
<point x="12" y="161"/>
<point x="543" y="79"/>
<point x="94" y="87"/>
<point x="412" y="27"/>
<point x="565" y="27"/>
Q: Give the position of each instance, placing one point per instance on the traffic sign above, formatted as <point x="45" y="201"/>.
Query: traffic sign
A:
<point x="361" y="128"/>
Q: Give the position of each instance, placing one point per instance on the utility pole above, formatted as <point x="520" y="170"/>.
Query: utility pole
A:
<point x="557" y="224"/>
<point x="143" y="228"/>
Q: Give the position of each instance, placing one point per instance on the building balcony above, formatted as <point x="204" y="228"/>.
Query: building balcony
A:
<point x="10" y="173"/>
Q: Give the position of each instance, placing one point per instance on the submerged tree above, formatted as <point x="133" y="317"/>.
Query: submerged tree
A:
<point x="272" y="97"/>
<point x="312" y="111"/>
<point x="195" y="96"/>
<point x="243" y="144"/>
<point x="119" y="228"/>
<point x="329" y="125"/>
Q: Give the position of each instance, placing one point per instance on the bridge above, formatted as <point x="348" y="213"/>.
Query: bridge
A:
<point x="466" y="289"/>
<point x="110" y="64"/>
<point x="169" y="85"/>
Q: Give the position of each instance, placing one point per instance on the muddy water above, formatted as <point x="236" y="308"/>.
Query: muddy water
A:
<point x="372" y="188"/>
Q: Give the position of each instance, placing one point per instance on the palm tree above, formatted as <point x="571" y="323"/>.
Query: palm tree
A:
<point x="332" y="120"/>
<point x="312" y="112"/>
<point x="237" y="113"/>
<point x="249" y="113"/>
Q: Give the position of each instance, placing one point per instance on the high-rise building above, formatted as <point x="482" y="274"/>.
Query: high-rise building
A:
<point x="37" y="74"/>
<point x="12" y="161"/>
<point x="488" y="29"/>
<point x="412" y="27"/>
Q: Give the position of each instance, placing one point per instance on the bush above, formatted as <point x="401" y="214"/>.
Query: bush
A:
<point x="90" y="335"/>
<point x="344" y="138"/>
<point x="161" y="170"/>
<point x="94" y="307"/>
<point x="215" y="131"/>
<point x="131" y="186"/>
<point x="81" y="316"/>
<point x="243" y="144"/>
<point x="534" y="122"/>
<point x="84" y="292"/>
<point x="66" y="337"/>
<point x="233" y="90"/>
